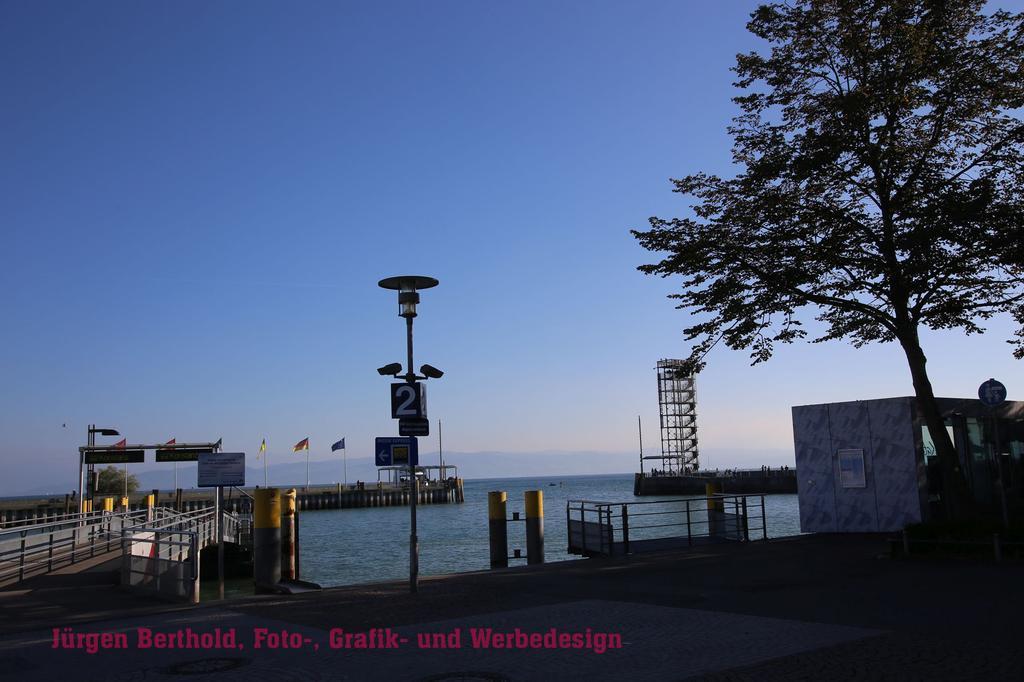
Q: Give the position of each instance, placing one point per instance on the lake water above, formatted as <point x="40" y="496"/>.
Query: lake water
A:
<point x="349" y="546"/>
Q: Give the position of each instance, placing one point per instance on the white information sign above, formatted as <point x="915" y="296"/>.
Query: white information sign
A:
<point x="851" y="469"/>
<point x="221" y="469"/>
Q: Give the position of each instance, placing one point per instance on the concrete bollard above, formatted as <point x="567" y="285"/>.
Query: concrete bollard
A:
<point x="498" y="528"/>
<point x="266" y="536"/>
<point x="534" y="526"/>
<point x="288" y="511"/>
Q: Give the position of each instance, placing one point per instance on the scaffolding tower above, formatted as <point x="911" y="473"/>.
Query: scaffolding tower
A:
<point x="677" y="403"/>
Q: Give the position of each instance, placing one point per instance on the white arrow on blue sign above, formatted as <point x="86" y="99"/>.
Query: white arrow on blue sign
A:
<point x="384" y="451"/>
<point x="992" y="393"/>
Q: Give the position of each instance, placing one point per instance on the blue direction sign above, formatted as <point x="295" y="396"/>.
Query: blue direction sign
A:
<point x="992" y="393"/>
<point x="390" y="451"/>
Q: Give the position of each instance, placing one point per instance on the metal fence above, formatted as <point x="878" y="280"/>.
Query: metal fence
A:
<point x="162" y="557"/>
<point x="165" y="560"/>
<point x="617" y="528"/>
<point x="33" y="549"/>
<point x="159" y="546"/>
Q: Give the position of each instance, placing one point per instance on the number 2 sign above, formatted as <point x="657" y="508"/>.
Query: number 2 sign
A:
<point x="408" y="400"/>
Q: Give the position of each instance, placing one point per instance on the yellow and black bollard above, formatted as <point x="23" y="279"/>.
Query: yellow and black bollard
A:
<point x="715" y="508"/>
<point x="498" y="528"/>
<point x="289" y="567"/>
<point x="534" y="526"/>
<point x="266" y="536"/>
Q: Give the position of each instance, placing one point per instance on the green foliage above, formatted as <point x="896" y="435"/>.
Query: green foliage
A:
<point x="111" y="481"/>
<point x="880" y="185"/>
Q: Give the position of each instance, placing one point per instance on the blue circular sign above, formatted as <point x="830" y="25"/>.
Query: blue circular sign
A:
<point x="992" y="393"/>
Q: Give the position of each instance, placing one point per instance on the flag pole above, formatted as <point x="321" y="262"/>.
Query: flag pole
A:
<point x="344" y="461"/>
<point x="266" y="454"/>
<point x="307" y="464"/>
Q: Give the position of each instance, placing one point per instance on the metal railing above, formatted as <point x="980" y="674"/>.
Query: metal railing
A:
<point x="164" y="560"/>
<point x="162" y="557"/>
<point x="29" y="550"/>
<point x="615" y="528"/>
<point x="159" y="546"/>
<point x="42" y="518"/>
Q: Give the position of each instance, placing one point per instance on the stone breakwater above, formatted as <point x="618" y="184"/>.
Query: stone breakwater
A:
<point x="19" y="511"/>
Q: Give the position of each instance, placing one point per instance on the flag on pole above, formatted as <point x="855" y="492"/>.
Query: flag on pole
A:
<point x="340" y="445"/>
<point x="263" y="448"/>
<point x="301" y="445"/>
<point x="121" y="443"/>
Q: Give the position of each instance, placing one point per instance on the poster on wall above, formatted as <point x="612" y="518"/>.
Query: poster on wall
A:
<point x="851" y="469"/>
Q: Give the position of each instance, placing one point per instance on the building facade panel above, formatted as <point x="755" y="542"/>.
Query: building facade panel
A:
<point x="815" y="490"/>
<point x="856" y="510"/>
<point x="894" y="462"/>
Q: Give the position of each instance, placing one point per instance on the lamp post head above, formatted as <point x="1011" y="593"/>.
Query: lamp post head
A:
<point x="390" y="370"/>
<point x="431" y="372"/>
<point x="408" y="287"/>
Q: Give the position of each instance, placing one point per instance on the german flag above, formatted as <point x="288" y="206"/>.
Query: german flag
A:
<point x="301" y="445"/>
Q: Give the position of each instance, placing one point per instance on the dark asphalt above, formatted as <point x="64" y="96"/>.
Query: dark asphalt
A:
<point x="937" y="618"/>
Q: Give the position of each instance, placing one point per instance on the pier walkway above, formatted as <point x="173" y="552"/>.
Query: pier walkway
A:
<point x="832" y="607"/>
<point x="30" y="548"/>
<point x="158" y="548"/>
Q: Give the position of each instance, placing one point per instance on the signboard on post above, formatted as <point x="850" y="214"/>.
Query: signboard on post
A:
<point x="408" y="400"/>
<point x="180" y="454"/>
<point x="414" y="426"/>
<point x="217" y="469"/>
<point x="115" y="456"/>
<point x="992" y="393"/>
<point x="396" y="452"/>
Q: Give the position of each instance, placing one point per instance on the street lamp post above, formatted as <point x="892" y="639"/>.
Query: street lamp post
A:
<point x="408" y="287"/>
<point x="82" y="470"/>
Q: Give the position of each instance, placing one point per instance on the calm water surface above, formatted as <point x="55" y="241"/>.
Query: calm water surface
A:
<point x="348" y="546"/>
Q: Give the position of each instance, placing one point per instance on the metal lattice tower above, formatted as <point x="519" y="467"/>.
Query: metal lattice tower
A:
<point x="677" y="402"/>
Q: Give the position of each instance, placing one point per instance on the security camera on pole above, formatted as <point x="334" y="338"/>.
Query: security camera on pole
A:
<point x="409" y="399"/>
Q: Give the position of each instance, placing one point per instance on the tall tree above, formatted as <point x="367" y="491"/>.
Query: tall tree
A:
<point x="111" y="481"/>
<point x="880" y="185"/>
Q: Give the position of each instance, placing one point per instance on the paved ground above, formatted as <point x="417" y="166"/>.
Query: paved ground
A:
<point x="821" y="607"/>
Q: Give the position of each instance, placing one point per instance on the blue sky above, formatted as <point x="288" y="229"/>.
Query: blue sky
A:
<point x="199" y="198"/>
